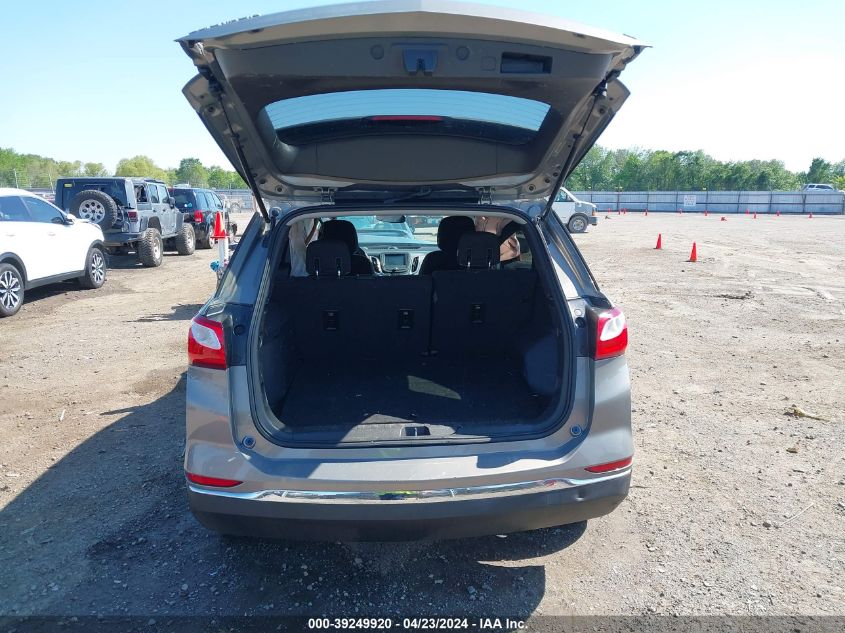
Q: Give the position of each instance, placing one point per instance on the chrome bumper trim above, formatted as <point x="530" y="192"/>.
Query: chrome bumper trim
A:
<point x="392" y="496"/>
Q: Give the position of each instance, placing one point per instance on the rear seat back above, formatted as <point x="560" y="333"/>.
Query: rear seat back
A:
<point x="480" y="309"/>
<point x="334" y="315"/>
<point x="358" y="318"/>
<point x="395" y="318"/>
<point x="328" y="258"/>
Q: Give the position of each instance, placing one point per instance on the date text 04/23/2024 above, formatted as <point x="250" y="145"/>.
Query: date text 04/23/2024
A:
<point x="417" y="624"/>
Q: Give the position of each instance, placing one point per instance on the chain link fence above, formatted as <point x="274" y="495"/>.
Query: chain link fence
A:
<point x="23" y="179"/>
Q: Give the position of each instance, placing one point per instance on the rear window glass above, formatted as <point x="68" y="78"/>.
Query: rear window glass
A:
<point x="453" y="104"/>
<point x="66" y="190"/>
<point x="184" y="199"/>
<point x="399" y="244"/>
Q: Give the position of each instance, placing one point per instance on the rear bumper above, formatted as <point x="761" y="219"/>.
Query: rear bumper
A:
<point x="120" y="238"/>
<point x="408" y="516"/>
<point x="202" y="230"/>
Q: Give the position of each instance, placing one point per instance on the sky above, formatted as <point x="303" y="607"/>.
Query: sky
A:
<point x="101" y="80"/>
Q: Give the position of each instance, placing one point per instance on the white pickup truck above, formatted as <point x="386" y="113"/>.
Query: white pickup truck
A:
<point x="575" y="213"/>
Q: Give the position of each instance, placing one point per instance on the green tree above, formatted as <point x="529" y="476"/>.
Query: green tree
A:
<point x="820" y="171"/>
<point x="219" y="178"/>
<point x="191" y="171"/>
<point x="630" y="170"/>
<point x="839" y="175"/>
<point x="595" y="170"/>
<point x="94" y="169"/>
<point x="141" y="166"/>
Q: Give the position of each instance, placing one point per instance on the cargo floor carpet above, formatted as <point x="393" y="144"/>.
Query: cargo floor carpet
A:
<point x="430" y="390"/>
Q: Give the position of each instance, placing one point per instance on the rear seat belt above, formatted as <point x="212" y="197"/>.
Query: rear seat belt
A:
<point x="314" y="228"/>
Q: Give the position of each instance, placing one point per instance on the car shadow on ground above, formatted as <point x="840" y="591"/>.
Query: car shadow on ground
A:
<point x="130" y="261"/>
<point x="181" y="312"/>
<point x="51" y="290"/>
<point x="107" y="530"/>
<point x="53" y="295"/>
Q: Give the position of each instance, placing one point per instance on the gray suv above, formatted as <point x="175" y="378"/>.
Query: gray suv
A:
<point x="355" y="378"/>
<point x="135" y="214"/>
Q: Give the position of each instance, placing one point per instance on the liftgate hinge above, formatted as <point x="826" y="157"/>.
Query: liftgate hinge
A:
<point x="326" y="195"/>
<point x="485" y="195"/>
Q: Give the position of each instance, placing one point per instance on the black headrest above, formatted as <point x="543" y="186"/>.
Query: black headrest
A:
<point x="450" y="230"/>
<point x="342" y="230"/>
<point x="328" y="258"/>
<point x="478" y="249"/>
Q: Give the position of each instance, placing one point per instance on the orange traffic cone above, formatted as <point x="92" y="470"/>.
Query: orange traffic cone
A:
<point x="811" y="215"/>
<point x="777" y="214"/>
<point x="755" y="215"/>
<point x="693" y="256"/>
<point x="724" y="219"/>
<point x="747" y="211"/>
<point x="219" y="228"/>
<point x="659" y="242"/>
<point x="705" y="213"/>
<point x="646" y="213"/>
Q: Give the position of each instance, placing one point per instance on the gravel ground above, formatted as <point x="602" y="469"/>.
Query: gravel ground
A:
<point x="735" y="507"/>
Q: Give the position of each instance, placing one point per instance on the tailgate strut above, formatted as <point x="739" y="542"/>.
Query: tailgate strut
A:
<point x="599" y="93"/>
<point x="246" y="172"/>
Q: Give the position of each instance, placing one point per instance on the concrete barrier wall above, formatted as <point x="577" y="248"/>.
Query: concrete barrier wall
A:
<point x="721" y="202"/>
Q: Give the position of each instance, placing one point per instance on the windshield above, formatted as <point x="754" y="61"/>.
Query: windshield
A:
<point x="564" y="196"/>
<point x="377" y="225"/>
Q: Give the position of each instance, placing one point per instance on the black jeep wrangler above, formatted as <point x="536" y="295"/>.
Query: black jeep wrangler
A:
<point x="136" y="214"/>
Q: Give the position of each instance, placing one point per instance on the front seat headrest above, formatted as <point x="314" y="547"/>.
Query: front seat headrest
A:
<point x="450" y="230"/>
<point x="342" y="230"/>
<point x="478" y="250"/>
<point x="328" y="258"/>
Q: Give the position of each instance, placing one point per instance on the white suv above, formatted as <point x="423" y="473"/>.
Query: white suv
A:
<point x="40" y="244"/>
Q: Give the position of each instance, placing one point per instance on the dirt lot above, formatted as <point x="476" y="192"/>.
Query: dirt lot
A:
<point x="735" y="507"/>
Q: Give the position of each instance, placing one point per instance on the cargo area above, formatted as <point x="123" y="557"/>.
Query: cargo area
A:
<point x="452" y="354"/>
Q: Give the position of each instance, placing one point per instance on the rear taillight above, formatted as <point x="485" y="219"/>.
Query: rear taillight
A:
<point x="198" y="217"/>
<point x="132" y="215"/>
<point x="619" y="464"/>
<point x="205" y="344"/>
<point x="202" y="480"/>
<point x="611" y="334"/>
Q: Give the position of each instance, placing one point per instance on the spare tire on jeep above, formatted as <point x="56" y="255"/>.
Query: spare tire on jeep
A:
<point x="96" y="206"/>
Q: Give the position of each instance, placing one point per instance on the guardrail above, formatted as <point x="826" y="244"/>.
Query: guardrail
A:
<point x="721" y="202"/>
